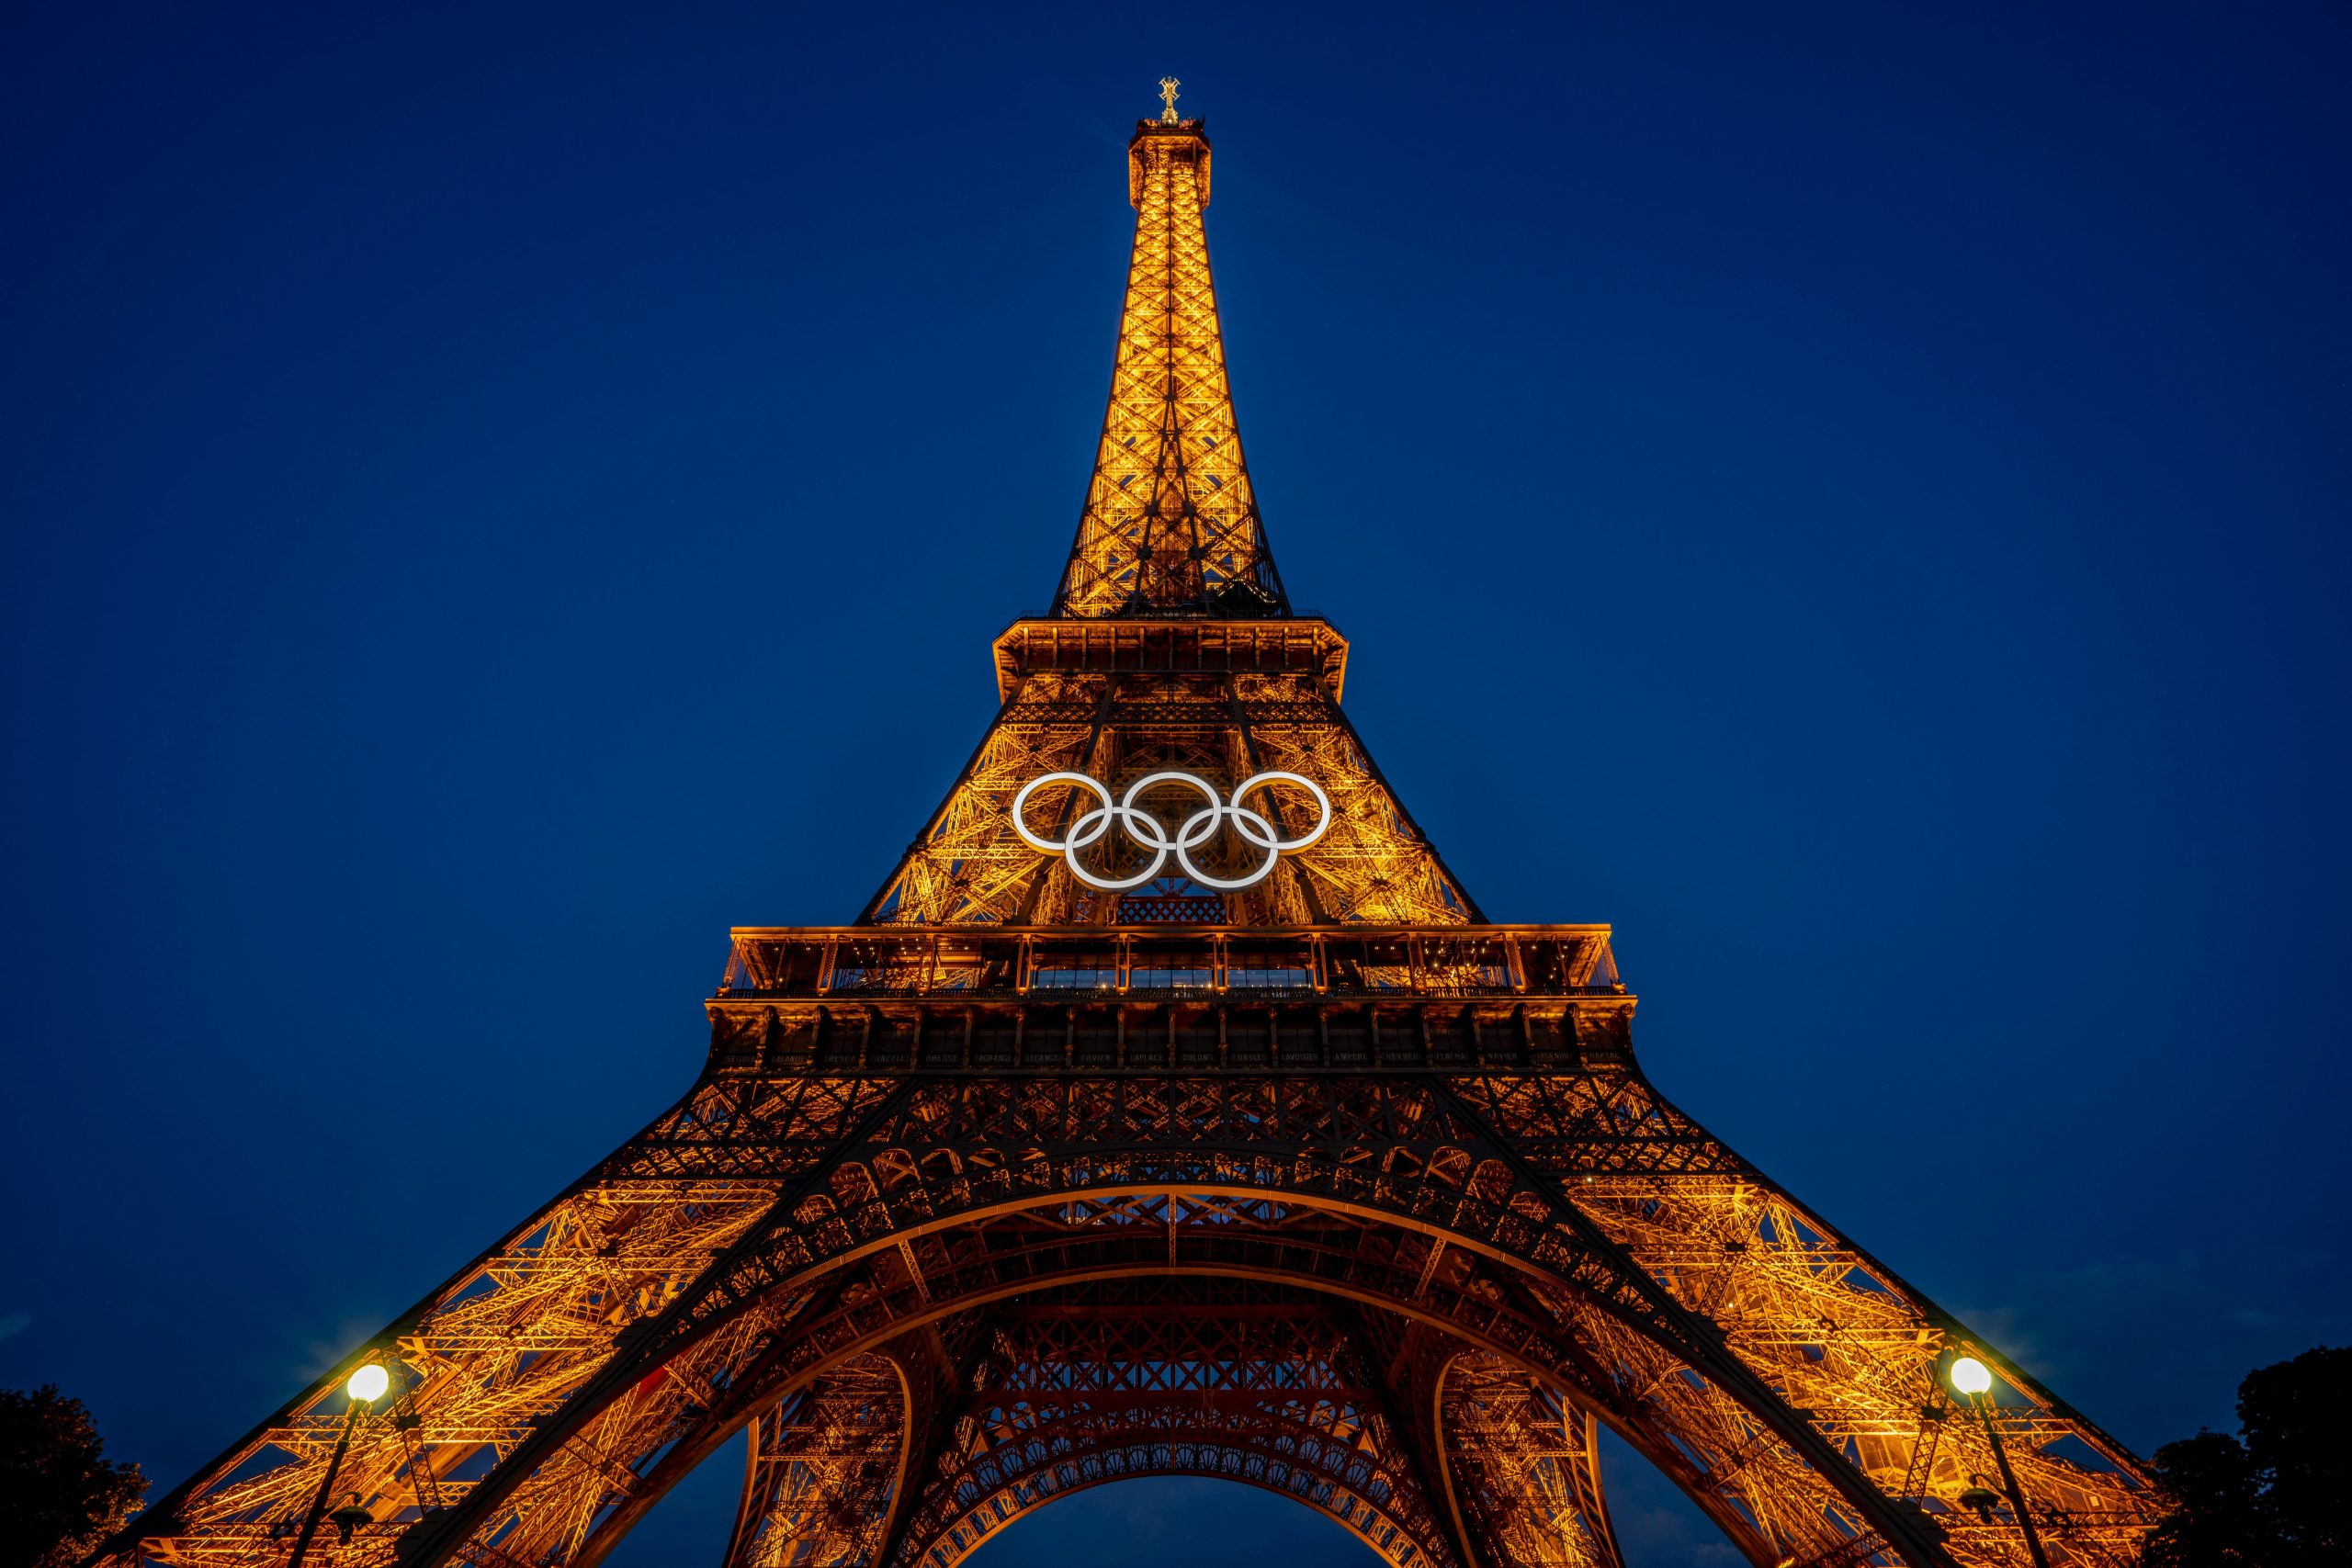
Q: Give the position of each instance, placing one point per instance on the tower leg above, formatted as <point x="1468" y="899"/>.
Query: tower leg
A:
<point x="824" y="1468"/>
<point x="1522" y="1467"/>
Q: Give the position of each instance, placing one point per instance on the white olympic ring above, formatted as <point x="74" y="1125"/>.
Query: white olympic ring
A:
<point x="1146" y="831"/>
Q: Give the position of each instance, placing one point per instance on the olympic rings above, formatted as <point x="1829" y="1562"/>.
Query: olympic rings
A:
<point x="1146" y="831"/>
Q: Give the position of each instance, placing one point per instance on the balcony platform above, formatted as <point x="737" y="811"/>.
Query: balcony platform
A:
<point x="1170" y="999"/>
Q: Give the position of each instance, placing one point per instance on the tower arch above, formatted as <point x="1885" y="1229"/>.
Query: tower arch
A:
<point x="1300" y="1080"/>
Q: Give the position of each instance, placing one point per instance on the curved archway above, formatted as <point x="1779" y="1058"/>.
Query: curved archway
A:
<point x="1520" y="1466"/>
<point x="1178" y="1520"/>
<point x="1296" y="1462"/>
<point x="1074" y="1388"/>
<point x="936" y="1199"/>
<point x="1464" y="1302"/>
<point x="824" y="1468"/>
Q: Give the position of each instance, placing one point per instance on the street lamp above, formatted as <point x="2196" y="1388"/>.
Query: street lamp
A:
<point x="1973" y="1380"/>
<point x="365" y="1386"/>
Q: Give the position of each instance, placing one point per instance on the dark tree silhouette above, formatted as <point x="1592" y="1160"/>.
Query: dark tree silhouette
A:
<point x="2274" y="1496"/>
<point x="58" y="1496"/>
<point x="2292" y="1418"/>
<point x="2220" y="1521"/>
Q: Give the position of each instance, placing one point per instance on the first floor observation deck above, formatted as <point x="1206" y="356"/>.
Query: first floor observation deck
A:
<point x="1497" y="998"/>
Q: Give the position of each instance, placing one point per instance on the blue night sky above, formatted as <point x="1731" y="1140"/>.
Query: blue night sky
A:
<point x="495" y="495"/>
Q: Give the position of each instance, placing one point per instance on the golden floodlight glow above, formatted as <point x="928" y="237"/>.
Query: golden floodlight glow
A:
<point x="1107" y="1148"/>
<point x="1971" y="1376"/>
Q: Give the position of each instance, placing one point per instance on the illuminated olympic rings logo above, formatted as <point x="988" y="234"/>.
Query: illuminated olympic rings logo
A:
<point x="1146" y="831"/>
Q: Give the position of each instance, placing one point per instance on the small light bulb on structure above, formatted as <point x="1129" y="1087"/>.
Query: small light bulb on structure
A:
<point x="1971" y="1376"/>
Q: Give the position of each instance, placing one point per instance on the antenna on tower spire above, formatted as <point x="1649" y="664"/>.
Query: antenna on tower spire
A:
<point x="1168" y="86"/>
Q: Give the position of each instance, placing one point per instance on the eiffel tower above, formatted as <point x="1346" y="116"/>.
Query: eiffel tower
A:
<point x="1170" y="1109"/>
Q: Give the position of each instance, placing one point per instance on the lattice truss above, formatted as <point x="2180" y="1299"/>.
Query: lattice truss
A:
<point x="1404" y="1299"/>
<point x="1522" y="1465"/>
<point x="1373" y="865"/>
<point x="514" y="1337"/>
<point x="822" y="1467"/>
<point x="1072" y="1389"/>
<point x="1170" y="526"/>
<point x="1408" y="1297"/>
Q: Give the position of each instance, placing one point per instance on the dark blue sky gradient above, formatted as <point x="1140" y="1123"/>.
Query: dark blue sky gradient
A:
<point x="495" y="495"/>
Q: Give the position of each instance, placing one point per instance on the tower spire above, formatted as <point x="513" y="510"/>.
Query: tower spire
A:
<point x="1173" y="1092"/>
<point x="1170" y="528"/>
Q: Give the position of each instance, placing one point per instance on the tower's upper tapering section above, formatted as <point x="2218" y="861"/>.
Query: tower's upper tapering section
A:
<point x="1170" y="528"/>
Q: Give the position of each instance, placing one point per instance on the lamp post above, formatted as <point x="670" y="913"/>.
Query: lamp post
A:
<point x="365" y="1386"/>
<point x="1974" y="1379"/>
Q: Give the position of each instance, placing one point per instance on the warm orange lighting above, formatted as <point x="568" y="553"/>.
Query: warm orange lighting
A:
<point x="1269" y="1140"/>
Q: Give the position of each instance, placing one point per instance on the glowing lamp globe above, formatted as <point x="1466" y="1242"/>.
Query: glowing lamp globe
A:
<point x="368" y="1384"/>
<point x="1971" y="1376"/>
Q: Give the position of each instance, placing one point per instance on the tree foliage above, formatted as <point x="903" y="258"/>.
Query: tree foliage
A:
<point x="60" y="1496"/>
<point x="2276" y="1494"/>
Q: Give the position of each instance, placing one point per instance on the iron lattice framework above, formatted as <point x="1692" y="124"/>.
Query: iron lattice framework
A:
<point x="1171" y="526"/>
<point x="1327" y="1185"/>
